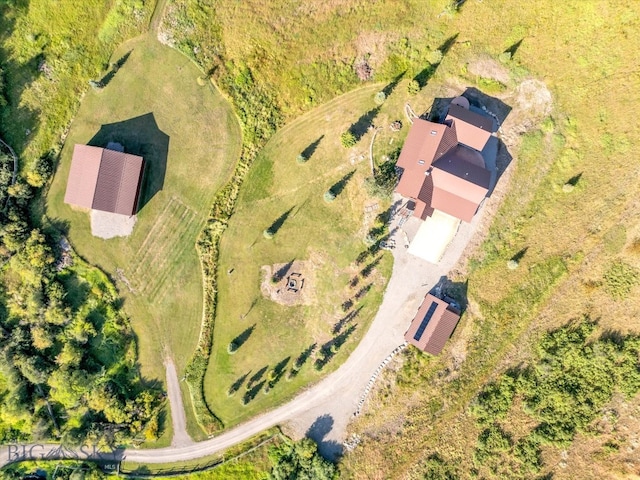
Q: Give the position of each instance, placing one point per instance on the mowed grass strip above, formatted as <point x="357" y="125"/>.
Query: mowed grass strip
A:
<point x="159" y="259"/>
<point x="326" y="236"/>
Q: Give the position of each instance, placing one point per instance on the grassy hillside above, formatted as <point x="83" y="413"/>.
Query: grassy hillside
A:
<point x="163" y="296"/>
<point x="287" y="197"/>
<point x="572" y="209"/>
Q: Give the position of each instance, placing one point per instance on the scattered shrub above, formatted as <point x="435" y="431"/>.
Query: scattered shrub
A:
<point x="512" y="264"/>
<point x="301" y="159"/>
<point x="413" y="87"/>
<point x="329" y="196"/>
<point x="504" y="57"/>
<point x="379" y="98"/>
<point x="363" y="70"/>
<point x="435" y="57"/>
<point x="348" y="139"/>
<point x="267" y="233"/>
<point x="568" y="188"/>
<point x="615" y="239"/>
<point x="620" y="279"/>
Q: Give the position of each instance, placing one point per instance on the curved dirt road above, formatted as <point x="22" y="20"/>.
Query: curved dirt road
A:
<point x="324" y="410"/>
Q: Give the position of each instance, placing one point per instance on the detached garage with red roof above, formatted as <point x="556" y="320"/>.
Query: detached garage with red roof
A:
<point x="433" y="325"/>
<point x="104" y="179"/>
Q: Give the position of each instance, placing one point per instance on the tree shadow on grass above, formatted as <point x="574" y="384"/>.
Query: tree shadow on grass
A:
<point x="279" y="222"/>
<point x="318" y="431"/>
<point x="389" y="88"/>
<point x="360" y="127"/>
<point x="235" y="386"/>
<point x="573" y="181"/>
<point x="514" y="48"/>
<point x="252" y="392"/>
<point x="140" y="136"/>
<point x="114" y="69"/>
<point x="282" y="272"/>
<point x="338" y="187"/>
<point x="257" y="376"/>
<point x="518" y="256"/>
<point x="238" y="341"/>
<point x="366" y="271"/>
<point x="425" y="75"/>
<point x="308" y="152"/>
<point x="304" y="355"/>
<point x="330" y="348"/>
<point x="278" y="372"/>
<point x="348" y="318"/>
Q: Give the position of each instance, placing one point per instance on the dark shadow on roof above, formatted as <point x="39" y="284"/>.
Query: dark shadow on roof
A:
<point x="140" y="136"/>
<point x="495" y="153"/>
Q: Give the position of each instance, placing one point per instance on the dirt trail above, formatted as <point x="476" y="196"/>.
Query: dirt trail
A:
<point x="178" y="418"/>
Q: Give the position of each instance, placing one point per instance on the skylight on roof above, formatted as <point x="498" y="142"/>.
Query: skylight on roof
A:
<point x="433" y="132"/>
<point x="420" y="162"/>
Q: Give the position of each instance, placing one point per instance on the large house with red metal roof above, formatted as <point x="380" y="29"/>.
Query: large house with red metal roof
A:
<point x="442" y="165"/>
<point x="104" y="179"/>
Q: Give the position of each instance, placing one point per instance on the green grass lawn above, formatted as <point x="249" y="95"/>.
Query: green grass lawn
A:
<point x="159" y="259"/>
<point x="327" y="236"/>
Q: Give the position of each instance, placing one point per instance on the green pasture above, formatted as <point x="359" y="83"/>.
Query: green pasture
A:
<point x="287" y="196"/>
<point x="190" y="138"/>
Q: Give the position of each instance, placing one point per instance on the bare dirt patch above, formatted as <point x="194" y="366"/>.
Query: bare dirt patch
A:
<point x="288" y="283"/>
<point x="486" y="67"/>
<point x="109" y="225"/>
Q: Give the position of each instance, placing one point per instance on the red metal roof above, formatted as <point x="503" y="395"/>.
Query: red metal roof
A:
<point x="440" y="326"/>
<point x="442" y="165"/>
<point x="83" y="175"/>
<point x="473" y="128"/>
<point x="110" y="183"/>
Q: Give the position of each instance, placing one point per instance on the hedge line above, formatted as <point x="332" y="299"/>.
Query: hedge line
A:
<point x="246" y="97"/>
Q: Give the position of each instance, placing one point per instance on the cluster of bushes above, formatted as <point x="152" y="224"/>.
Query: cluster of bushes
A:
<point x="68" y="367"/>
<point x="300" y="460"/>
<point x="573" y="377"/>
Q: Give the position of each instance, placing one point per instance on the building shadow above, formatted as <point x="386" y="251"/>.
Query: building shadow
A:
<point x="140" y="136"/>
<point x="455" y="293"/>
<point x="495" y="153"/>
<point x="318" y="431"/>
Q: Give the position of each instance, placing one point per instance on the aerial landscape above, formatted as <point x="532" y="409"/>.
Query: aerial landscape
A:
<point x="319" y="239"/>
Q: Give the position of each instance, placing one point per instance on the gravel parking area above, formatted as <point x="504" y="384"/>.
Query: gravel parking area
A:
<point x="109" y="225"/>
